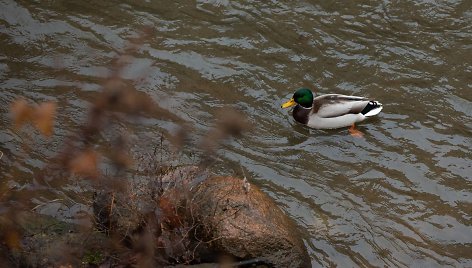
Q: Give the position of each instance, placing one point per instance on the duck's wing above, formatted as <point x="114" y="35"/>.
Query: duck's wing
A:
<point x="334" y="105"/>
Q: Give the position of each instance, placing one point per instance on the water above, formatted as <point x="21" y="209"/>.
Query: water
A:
<point x="400" y="197"/>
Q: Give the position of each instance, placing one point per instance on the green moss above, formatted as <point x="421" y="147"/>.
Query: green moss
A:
<point x="34" y="224"/>
<point x="92" y="257"/>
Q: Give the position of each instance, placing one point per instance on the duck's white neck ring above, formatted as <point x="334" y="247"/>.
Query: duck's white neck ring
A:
<point x="309" y="108"/>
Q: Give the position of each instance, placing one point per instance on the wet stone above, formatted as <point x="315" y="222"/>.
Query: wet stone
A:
<point x="247" y="224"/>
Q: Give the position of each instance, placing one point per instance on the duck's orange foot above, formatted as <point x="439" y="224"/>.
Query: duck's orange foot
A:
<point x="354" y="132"/>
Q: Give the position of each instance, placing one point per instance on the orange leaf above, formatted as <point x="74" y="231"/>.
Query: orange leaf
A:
<point x="85" y="163"/>
<point x="22" y="113"/>
<point x="44" y="117"/>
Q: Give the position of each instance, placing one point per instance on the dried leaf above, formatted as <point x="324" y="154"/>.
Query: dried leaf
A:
<point x="22" y="113"/>
<point x="120" y="154"/>
<point x="85" y="164"/>
<point x="178" y="138"/>
<point x="44" y="117"/>
<point x="232" y="122"/>
<point x="122" y="159"/>
<point x="169" y="212"/>
<point x="166" y="205"/>
<point x="12" y="239"/>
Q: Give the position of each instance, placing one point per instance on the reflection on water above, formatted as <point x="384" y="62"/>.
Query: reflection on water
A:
<point x="400" y="197"/>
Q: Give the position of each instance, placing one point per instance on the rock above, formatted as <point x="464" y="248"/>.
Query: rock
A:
<point x="194" y="218"/>
<point x="48" y="242"/>
<point x="247" y="225"/>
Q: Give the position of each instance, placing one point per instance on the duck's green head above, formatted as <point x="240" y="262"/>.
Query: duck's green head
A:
<point x="302" y="96"/>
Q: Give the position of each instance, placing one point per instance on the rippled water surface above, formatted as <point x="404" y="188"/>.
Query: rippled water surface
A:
<point x="400" y="197"/>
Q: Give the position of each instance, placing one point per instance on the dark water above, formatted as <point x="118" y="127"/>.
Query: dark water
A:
<point x="400" y="197"/>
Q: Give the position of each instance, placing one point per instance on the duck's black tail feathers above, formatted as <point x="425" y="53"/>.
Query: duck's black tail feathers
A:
<point x="372" y="108"/>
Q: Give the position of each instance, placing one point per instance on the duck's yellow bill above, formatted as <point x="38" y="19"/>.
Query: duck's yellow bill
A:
<point x="289" y="103"/>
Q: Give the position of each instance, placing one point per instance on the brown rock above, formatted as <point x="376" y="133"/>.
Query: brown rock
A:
<point x="247" y="224"/>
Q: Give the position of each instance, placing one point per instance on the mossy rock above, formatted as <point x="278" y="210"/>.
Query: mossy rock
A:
<point x="48" y="242"/>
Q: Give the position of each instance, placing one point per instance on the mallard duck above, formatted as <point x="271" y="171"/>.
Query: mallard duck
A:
<point x="331" y="110"/>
